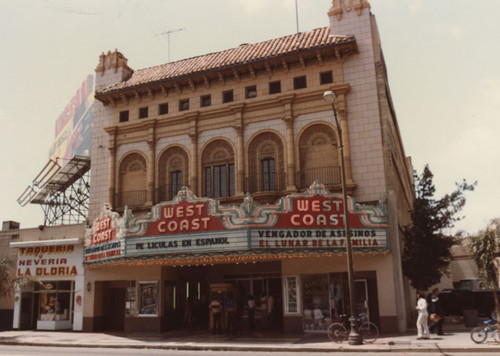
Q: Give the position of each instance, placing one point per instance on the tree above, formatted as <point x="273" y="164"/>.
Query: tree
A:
<point x="484" y="250"/>
<point x="6" y="280"/>
<point x="426" y="252"/>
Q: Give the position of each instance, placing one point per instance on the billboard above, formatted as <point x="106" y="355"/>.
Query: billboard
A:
<point x="73" y="129"/>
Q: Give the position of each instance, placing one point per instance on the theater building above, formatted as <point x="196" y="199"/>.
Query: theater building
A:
<point x="219" y="176"/>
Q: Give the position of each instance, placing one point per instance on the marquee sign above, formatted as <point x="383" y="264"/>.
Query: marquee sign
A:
<point x="307" y="222"/>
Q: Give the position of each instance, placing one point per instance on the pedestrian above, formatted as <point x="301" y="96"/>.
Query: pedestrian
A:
<point x="436" y="312"/>
<point x="422" y="324"/>
<point x="263" y="309"/>
<point x="187" y="312"/>
<point x="230" y="309"/>
<point x="251" y="312"/>
<point x="216" y="312"/>
<point x="270" y="310"/>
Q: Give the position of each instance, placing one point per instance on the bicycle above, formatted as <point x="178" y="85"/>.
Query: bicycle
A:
<point x="480" y="333"/>
<point x="339" y="331"/>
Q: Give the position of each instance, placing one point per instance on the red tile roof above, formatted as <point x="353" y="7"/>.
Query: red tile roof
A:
<point x="248" y="53"/>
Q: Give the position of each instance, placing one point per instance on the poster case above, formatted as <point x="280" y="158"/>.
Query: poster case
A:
<point x="147" y="295"/>
<point x="292" y="300"/>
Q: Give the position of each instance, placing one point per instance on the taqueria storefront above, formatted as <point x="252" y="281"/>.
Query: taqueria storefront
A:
<point x="54" y="298"/>
<point x="160" y="271"/>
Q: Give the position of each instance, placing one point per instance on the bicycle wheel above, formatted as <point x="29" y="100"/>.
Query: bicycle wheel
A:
<point x="368" y="331"/>
<point x="478" y="334"/>
<point x="337" y="332"/>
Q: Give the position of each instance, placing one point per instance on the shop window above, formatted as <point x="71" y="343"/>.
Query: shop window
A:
<point x="205" y="100"/>
<point x="124" y="116"/>
<point x="148" y="298"/>
<point x="227" y="96"/>
<point x="143" y="112"/>
<point x="163" y="109"/>
<point x="316" y="302"/>
<point x="326" y="77"/>
<point x="55" y="301"/>
<point x="275" y="87"/>
<point x="299" y="82"/>
<point x="183" y="104"/>
<point x="251" y="92"/>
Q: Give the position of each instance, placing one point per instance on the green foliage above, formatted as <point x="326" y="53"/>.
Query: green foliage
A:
<point x="426" y="253"/>
<point x="6" y="280"/>
<point x="483" y="248"/>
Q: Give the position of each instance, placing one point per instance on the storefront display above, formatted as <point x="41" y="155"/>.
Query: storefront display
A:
<point x="316" y="302"/>
<point x="55" y="304"/>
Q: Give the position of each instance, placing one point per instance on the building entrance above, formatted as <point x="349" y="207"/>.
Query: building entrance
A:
<point x="259" y="300"/>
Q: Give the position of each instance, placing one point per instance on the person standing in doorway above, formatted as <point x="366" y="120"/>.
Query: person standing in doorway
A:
<point x="251" y="313"/>
<point x="216" y="311"/>
<point x="270" y="310"/>
<point x="422" y="325"/>
<point x="230" y="309"/>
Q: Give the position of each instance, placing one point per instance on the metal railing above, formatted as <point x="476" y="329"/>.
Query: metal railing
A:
<point x="135" y="198"/>
<point x="269" y="183"/>
<point x="326" y="175"/>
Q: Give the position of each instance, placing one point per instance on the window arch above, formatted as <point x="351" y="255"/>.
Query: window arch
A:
<point x="132" y="184"/>
<point x="173" y="173"/>
<point x="318" y="156"/>
<point x="218" y="169"/>
<point x="266" y="162"/>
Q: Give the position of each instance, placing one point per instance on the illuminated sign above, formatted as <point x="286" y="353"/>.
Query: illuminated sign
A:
<point x="307" y="222"/>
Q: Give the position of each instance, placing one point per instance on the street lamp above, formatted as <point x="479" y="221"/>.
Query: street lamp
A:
<point x="354" y="337"/>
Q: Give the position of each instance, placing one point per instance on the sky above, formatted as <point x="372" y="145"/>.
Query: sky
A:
<point x="441" y="56"/>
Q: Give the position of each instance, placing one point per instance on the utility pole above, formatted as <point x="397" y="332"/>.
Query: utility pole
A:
<point x="168" y="37"/>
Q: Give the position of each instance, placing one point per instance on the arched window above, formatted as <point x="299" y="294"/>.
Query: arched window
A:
<point x="132" y="181"/>
<point x="266" y="162"/>
<point x="172" y="173"/>
<point x="318" y="156"/>
<point x="218" y="169"/>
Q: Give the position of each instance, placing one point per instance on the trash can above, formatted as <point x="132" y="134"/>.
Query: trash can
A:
<point x="470" y="317"/>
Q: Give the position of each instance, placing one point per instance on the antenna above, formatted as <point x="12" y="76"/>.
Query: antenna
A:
<point x="297" y="15"/>
<point x="168" y="32"/>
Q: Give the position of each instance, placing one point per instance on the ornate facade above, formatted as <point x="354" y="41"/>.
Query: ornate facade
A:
<point x="251" y="123"/>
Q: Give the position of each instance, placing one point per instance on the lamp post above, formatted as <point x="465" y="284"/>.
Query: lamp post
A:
<point x="354" y="337"/>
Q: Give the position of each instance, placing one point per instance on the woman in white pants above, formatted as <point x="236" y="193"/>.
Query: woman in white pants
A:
<point x="422" y="325"/>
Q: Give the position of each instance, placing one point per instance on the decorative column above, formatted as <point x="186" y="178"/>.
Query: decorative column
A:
<point x="290" y="142"/>
<point x="193" y="167"/>
<point x="240" y="154"/>
<point x="151" y="126"/>
<point x="112" y="166"/>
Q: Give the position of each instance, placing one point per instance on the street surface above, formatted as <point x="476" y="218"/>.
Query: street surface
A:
<point x="22" y="350"/>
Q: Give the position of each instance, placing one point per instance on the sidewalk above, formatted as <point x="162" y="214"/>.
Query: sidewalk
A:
<point x="454" y="340"/>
